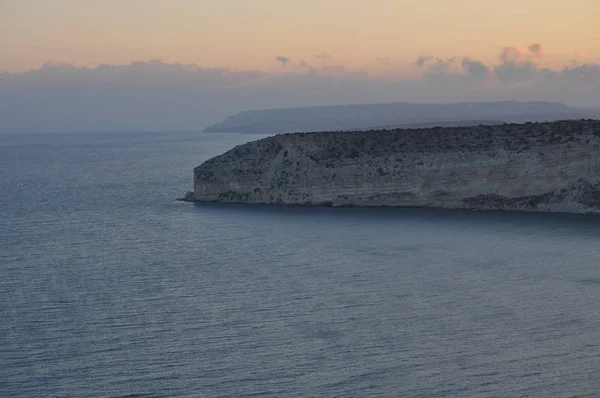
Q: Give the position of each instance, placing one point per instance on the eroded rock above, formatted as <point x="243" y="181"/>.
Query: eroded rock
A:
<point x="524" y="167"/>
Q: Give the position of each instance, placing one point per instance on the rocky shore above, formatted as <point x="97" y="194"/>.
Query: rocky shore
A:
<point x="552" y="167"/>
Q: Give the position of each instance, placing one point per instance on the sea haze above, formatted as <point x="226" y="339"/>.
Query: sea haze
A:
<point x="111" y="288"/>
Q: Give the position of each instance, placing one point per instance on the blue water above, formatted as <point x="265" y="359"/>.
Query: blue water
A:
<point x="111" y="288"/>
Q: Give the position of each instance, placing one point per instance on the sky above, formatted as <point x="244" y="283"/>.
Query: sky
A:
<point x="248" y="34"/>
<point x="284" y="52"/>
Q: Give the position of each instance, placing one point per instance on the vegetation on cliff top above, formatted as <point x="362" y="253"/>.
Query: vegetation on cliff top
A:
<point x="330" y="147"/>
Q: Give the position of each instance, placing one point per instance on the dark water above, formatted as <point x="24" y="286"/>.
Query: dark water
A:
<point x="110" y="288"/>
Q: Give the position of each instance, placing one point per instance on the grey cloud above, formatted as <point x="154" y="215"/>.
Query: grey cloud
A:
<point x="303" y="64"/>
<point x="421" y="61"/>
<point x="512" y="72"/>
<point x="517" y="70"/>
<point x="283" y="60"/>
<point x="434" y="64"/>
<point x="441" y="64"/>
<point x="162" y="96"/>
<point x="510" y="54"/>
<point x="475" y="69"/>
<point x="517" y="67"/>
<point x="587" y="75"/>
<point x="536" y="49"/>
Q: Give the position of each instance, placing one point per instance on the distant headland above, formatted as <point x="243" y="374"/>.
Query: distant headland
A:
<point x="396" y="115"/>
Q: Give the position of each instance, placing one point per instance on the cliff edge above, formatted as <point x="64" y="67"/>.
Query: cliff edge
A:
<point x="551" y="167"/>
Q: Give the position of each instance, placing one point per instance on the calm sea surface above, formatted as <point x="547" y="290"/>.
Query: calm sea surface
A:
<point x="111" y="288"/>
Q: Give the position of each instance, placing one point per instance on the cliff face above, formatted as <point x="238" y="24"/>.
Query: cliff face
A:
<point x="531" y="167"/>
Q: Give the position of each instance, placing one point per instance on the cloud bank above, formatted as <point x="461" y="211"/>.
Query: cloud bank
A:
<point x="155" y="95"/>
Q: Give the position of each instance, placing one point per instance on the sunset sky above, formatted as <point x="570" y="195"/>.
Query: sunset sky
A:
<point x="183" y="64"/>
<point x="370" y="35"/>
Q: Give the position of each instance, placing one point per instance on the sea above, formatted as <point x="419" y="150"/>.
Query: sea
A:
<point x="109" y="287"/>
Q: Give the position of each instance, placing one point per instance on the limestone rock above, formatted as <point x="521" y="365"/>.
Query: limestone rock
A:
<point x="551" y="167"/>
<point x="187" y="197"/>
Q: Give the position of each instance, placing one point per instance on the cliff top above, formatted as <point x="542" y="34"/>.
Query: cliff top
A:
<point x="335" y="146"/>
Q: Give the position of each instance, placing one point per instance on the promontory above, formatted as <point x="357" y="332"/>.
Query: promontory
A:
<point x="552" y="167"/>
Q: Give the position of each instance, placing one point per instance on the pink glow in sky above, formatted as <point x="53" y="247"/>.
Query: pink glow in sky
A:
<point x="183" y="64"/>
<point x="370" y="35"/>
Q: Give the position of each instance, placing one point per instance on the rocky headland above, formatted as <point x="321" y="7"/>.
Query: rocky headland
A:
<point x="551" y="167"/>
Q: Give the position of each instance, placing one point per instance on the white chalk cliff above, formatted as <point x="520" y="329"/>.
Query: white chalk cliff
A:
<point x="528" y="167"/>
